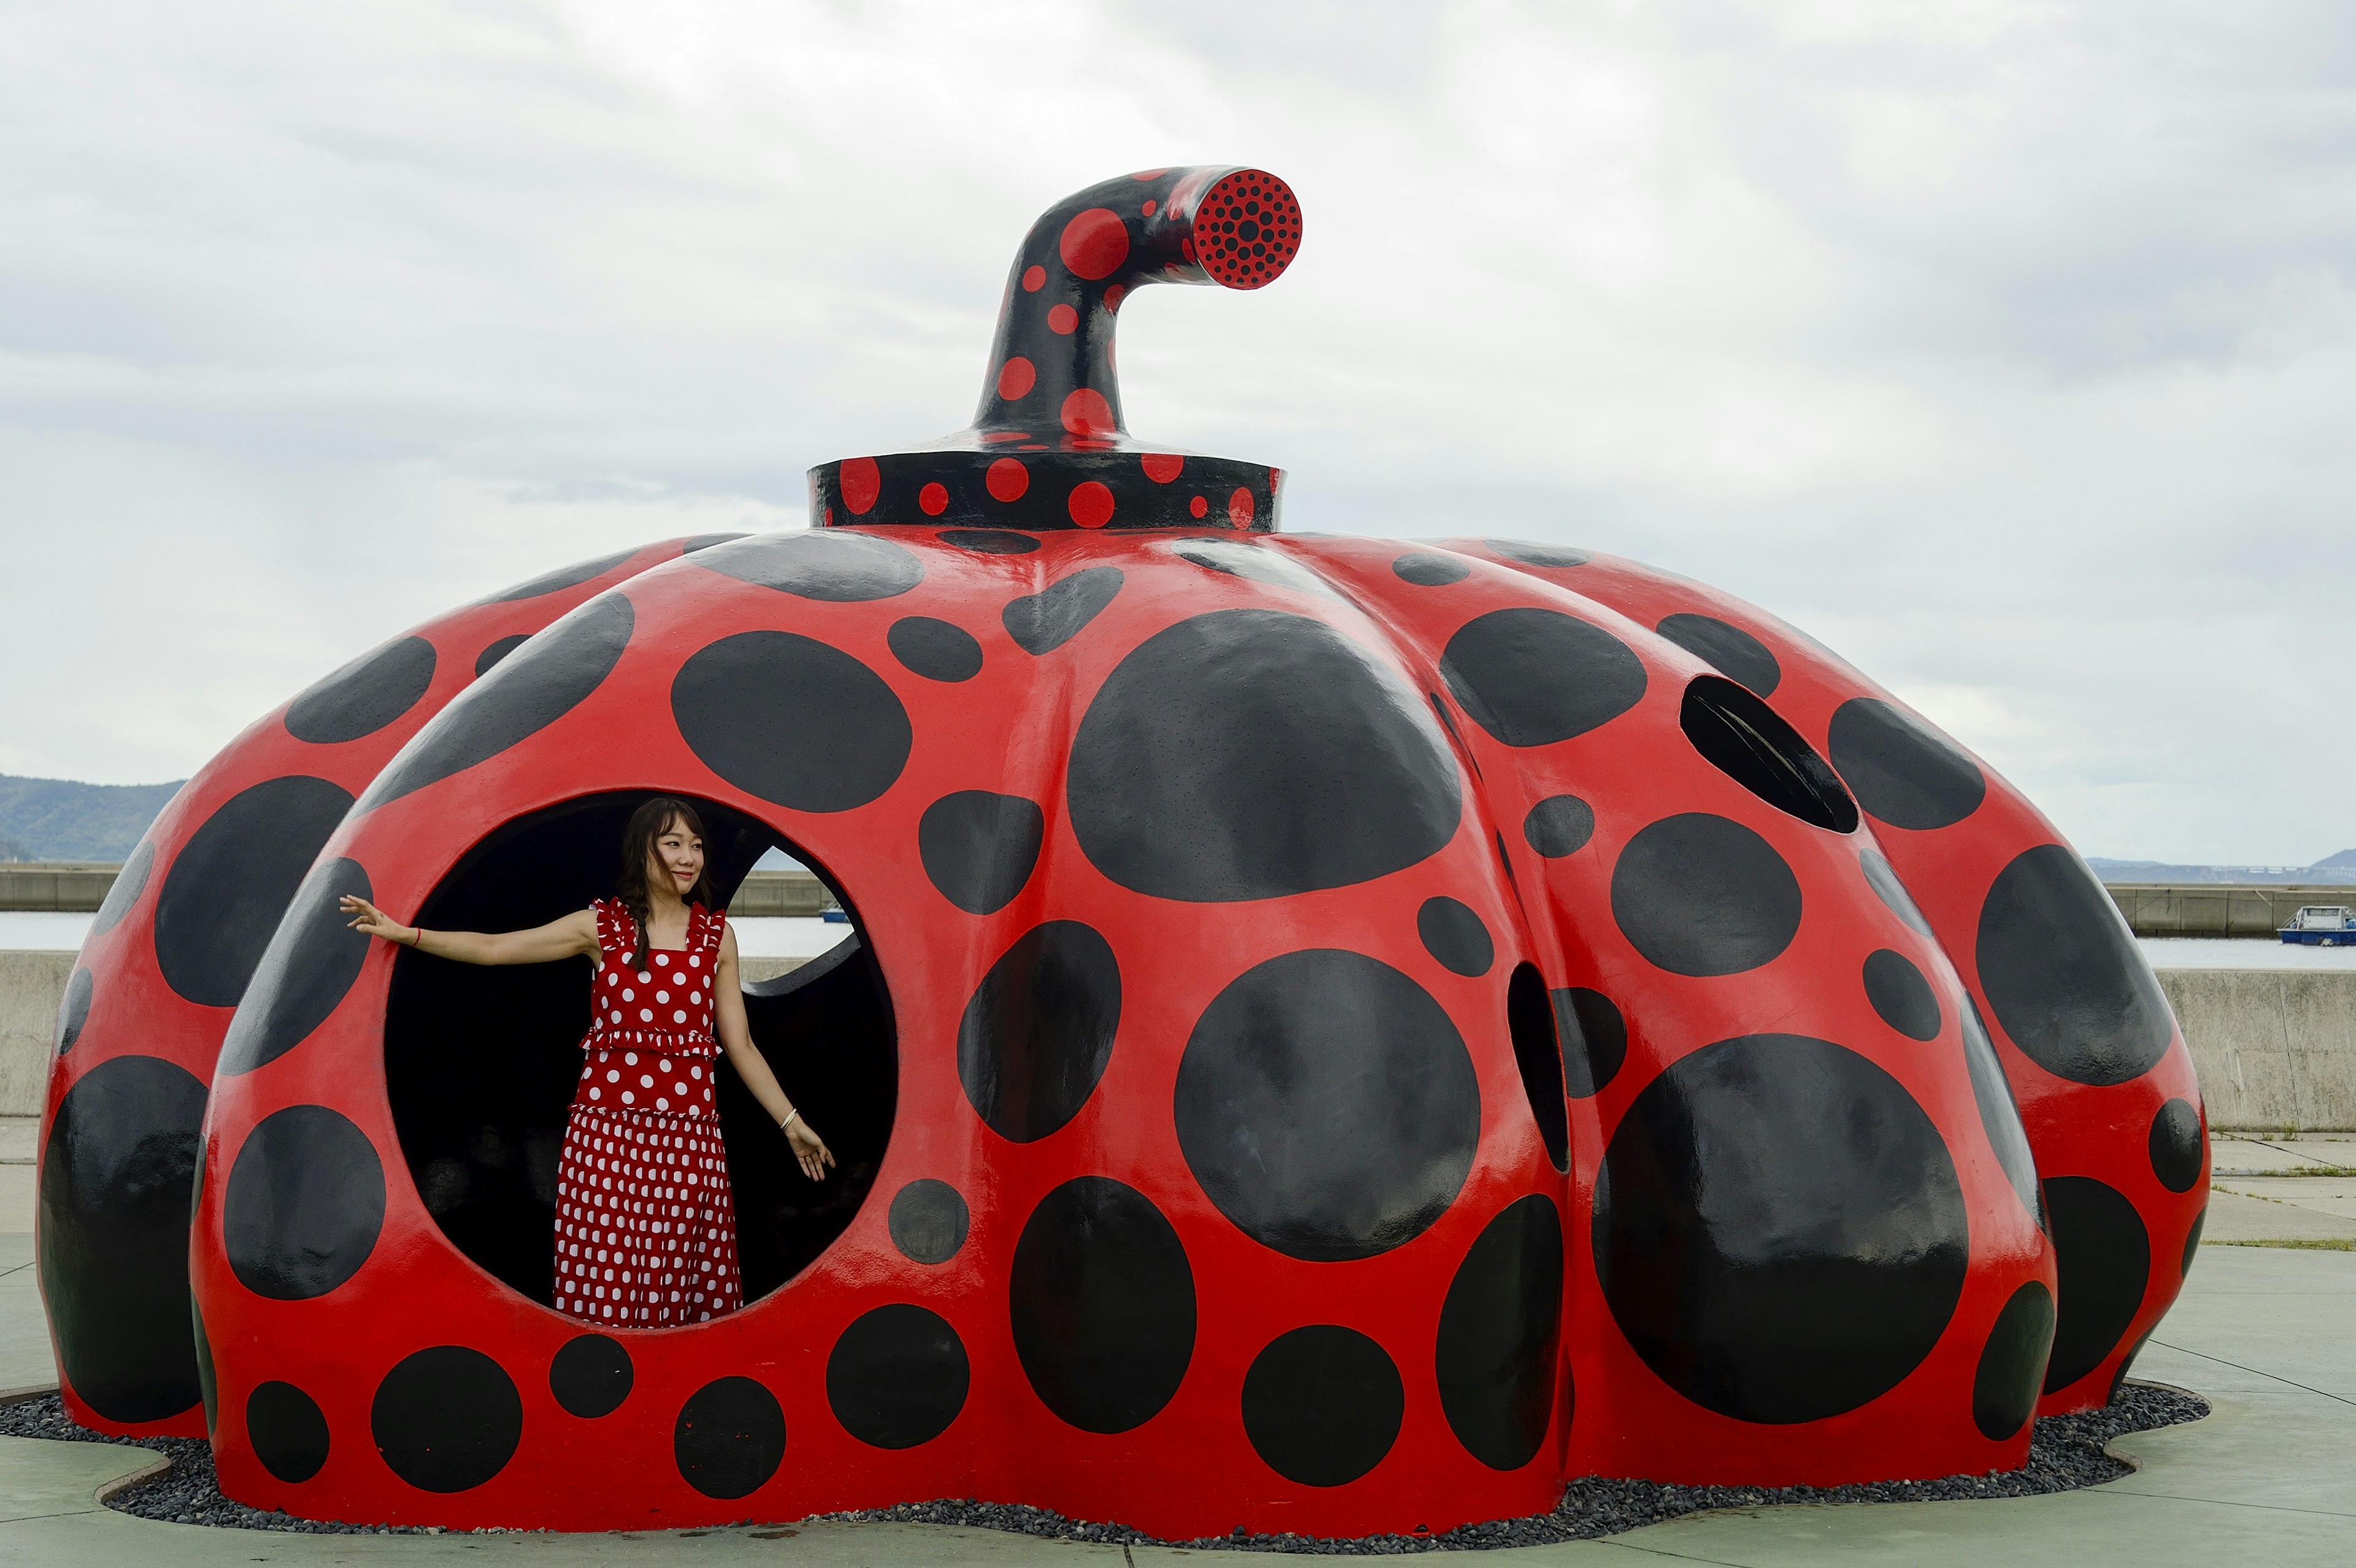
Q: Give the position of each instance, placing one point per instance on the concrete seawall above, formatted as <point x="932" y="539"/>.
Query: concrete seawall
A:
<point x="33" y="987"/>
<point x="78" y="888"/>
<point x="2275" y="1047"/>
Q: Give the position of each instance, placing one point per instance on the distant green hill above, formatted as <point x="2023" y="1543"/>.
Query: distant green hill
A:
<point x="57" y="819"/>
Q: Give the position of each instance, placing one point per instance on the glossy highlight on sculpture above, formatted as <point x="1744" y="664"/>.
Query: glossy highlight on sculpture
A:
<point x="1340" y="1034"/>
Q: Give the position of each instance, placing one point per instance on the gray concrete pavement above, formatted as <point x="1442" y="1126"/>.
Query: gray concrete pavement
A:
<point x="2251" y="1154"/>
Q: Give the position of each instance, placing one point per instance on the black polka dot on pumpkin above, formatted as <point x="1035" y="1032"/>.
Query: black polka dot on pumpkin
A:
<point x="364" y="695"/>
<point x="1883" y="881"/>
<point x="486" y="661"/>
<point x="1779" y="1229"/>
<point x="1039" y="1030"/>
<point x="74" y="1011"/>
<point x="2062" y="974"/>
<point x="572" y="576"/>
<point x="1532" y="677"/>
<point x="1727" y="649"/>
<point x="928" y="1220"/>
<point x="1532" y="552"/>
<point x="978" y="848"/>
<point x="2191" y="1243"/>
<point x="1249" y="754"/>
<point x="1557" y="825"/>
<point x="1901" y="994"/>
<point x="116" y="1179"/>
<point x="2102" y="1257"/>
<point x="230" y="882"/>
<point x="788" y="719"/>
<point x="129" y="883"/>
<point x="1257" y="563"/>
<point x="446" y="1419"/>
<point x="825" y="564"/>
<point x="1499" y="1328"/>
<point x="1327" y="1105"/>
<point x="2012" y="1364"/>
<point x="288" y="1431"/>
<point x="1698" y="894"/>
<point x="1902" y="771"/>
<point x="534" y="687"/>
<point x="304" y="1204"/>
<point x="1455" y="936"/>
<point x="2175" y="1146"/>
<point x="1594" y="1040"/>
<point x="1043" y="622"/>
<point x="590" y="1375"/>
<point x="934" y="649"/>
<point x="1999" y="1112"/>
<point x="989" y="542"/>
<point x="897" y="1377"/>
<point x="307" y="970"/>
<point x="1102" y="1302"/>
<point x="1322" y="1404"/>
<point x="730" y="1438"/>
<point x="1427" y="569"/>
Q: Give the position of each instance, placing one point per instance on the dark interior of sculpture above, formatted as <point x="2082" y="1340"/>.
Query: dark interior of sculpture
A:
<point x="480" y="1063"/>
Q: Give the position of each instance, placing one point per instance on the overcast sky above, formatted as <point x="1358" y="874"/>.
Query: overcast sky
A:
<point x="2010" y="350"/>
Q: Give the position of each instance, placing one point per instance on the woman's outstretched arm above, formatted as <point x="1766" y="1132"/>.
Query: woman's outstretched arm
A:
<point x="573" y="936"/>
<point x="736" y="1038"/>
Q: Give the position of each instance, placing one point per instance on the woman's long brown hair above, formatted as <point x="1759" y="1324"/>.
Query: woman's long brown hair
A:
<point x="649" y="824"/>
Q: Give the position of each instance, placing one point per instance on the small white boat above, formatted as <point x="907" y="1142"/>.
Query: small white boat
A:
<point x="2322" y="925"/>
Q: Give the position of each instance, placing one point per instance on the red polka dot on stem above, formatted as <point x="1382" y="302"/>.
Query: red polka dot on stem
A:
<point x="1240" y="508"/>
<point x="1085" y="412"/>
<point x="1032" y="278"/>
<point x="1063" y="319"/>
<point x="1093" y="243"/>
<point x="1113" y="296"/>
<point x="1198" y="506"/>
<point x="1151" y="207"/>
<point x="1162" y="467"/>
<point x="1090" y="504"/>
<point x="1016" y="377"/>
<point x="934" y="498"/>
<point x="860" y="484"/>
<point x="1007" y="479"/>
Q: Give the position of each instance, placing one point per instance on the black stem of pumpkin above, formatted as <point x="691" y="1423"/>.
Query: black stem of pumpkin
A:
<point x="1052" y="372"/>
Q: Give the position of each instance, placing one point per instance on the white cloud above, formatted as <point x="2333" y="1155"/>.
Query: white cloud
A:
<point x="2004" y="346"/>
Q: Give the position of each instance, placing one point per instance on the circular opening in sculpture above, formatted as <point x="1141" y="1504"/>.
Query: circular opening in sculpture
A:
<point x="481" y="1064"/>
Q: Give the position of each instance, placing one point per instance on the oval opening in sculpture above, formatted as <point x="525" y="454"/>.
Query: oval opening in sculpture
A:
<point x="1748" y="743"/>
<point x="1538" y="1052"/>
<point x="481" y="1064"/>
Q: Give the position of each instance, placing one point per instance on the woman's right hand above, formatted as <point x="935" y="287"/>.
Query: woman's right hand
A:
<point x="370" y="920"/>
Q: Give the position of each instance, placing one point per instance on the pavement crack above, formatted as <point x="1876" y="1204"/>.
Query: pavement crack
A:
<point x="2235" y="1502"/>
<point x="2254" y="1372"/>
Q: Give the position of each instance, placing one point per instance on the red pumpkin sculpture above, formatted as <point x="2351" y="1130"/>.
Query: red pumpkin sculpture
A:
<point x="1340" y="1036"/>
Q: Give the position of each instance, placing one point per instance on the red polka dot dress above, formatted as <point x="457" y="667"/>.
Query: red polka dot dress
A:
<point x="646" y="1233"/>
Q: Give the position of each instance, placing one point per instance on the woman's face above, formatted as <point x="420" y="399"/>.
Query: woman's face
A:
<point x="677" y="860"/>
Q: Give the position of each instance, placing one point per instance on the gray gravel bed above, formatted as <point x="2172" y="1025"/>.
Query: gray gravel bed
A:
<point x="2065" y="1452"/>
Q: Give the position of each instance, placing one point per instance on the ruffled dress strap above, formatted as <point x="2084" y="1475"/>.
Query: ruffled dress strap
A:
<point x="616" y="932"/>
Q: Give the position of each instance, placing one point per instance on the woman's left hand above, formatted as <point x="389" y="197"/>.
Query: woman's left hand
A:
<point x="809" y="1150"/>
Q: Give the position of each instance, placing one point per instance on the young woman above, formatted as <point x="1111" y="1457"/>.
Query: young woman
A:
<point x="645" y="1231"/>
